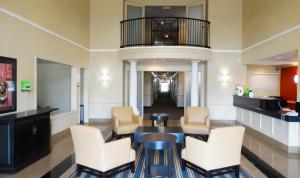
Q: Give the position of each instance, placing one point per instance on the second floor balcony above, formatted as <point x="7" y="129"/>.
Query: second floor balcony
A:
<point x="165" y="31"/>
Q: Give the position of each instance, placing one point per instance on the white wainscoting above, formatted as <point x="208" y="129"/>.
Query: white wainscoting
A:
<point x="221" y="111"/>
<point x="180" y="100"/>
<point x="279" y="130"/>
<point x="102" y="110"/>
<point x="62" y="121"/>
<point x="147" y="100"/>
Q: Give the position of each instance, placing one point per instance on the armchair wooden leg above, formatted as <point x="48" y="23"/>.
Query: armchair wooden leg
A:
<point x="237" y="171"/>
<point x="207" y="174"/>
<point x="114" y="135"/>
<point x="183" y="166"/>
<point x="103" y="175"/>
<point x="206" y="138"/>
<point x="132" y="167"/>
<point x="78" y="170"/>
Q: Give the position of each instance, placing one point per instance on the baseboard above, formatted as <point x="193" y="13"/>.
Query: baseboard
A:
<point x="100" y="120"/>
<point x="60" y="135"/>
<point x="223" y="121"/>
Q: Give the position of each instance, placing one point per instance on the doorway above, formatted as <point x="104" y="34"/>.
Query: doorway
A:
<point x="164" y="93"/>
<point x="164" y="86"/>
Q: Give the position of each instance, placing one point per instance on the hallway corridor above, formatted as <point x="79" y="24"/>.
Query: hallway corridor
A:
<point x="164" y="104"/>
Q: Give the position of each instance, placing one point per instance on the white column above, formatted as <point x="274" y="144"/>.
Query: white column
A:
<point x="194" y="84"/>
<point x="133" y="84"/>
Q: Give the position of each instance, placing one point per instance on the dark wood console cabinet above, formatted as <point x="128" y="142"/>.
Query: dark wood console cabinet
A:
<point x="24" y="138"/>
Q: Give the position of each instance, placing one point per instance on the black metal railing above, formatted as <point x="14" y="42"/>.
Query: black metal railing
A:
<point x="165" y="31"/>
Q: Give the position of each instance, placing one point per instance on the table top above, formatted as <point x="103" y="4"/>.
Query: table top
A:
<point x="159" y="116"/>
<point x="159" y="138"/>
<point x="149" y="129"/>
<point x="158" y="141"/>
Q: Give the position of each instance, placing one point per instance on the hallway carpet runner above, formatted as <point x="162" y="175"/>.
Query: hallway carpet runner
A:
<point x="164" y="104"/>
<point x="159" y="157"/>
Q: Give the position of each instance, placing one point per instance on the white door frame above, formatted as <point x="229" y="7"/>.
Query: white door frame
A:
<point x="196" y="4"/>
<point x="133" y="4"/>
<point x="169" y="68"/>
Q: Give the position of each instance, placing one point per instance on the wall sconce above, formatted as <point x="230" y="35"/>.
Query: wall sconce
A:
<point x="224" y="78"/>
<point x="104" y="78"/>
<point x="296" y="78"/>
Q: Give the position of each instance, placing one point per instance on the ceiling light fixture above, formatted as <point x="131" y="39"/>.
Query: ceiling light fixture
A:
<point x="224" y="78"/>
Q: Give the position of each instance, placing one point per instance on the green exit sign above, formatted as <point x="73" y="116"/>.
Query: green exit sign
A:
<point x="25" y="85"/>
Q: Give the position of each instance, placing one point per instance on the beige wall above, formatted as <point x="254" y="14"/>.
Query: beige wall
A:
<point x="219" y="95"/>
<point x="25" y="42"/>
<point x="103" y="96"/>
<point x="263" y="19"/>
<point x="260" y="22"/>
<point x="226" y="24"/>
<point x="69" y="18"/>
<point x="105" y="17"/>
<point x="226" y="31"/>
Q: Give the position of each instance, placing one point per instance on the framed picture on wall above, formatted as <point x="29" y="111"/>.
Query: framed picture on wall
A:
<point x="8" y="84"/>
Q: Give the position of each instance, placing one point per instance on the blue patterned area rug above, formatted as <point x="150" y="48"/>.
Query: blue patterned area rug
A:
<point x="160" y="158"/>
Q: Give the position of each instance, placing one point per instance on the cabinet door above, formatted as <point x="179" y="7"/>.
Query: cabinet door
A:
<point x="23" y="140"/>
<point x="41" y="142"/>
<point x="5" y="144"/>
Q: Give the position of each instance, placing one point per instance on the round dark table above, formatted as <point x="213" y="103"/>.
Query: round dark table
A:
<point x="158" y="142"/>
<point x="159" y="117"/>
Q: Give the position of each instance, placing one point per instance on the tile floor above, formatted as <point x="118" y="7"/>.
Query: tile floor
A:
<point x="286" y="164"/>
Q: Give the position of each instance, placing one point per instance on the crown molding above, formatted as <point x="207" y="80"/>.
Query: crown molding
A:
<point x="295" y="28"/>
<point x="44" y="29"/>
<point x="226" y="51"/>
<point x="104" y="50"/>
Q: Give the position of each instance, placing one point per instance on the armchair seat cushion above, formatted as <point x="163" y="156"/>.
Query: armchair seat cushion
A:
<point x="195" y="128"/>
<point x="126" y="128"/>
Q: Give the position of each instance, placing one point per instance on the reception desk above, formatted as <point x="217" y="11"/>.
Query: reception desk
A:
<point x="264" y="116"/>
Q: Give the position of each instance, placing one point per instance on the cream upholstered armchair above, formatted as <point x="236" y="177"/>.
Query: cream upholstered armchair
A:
<point x="222" y="151"/>
<point x="195" y="121"/>
<point x="125" y="122"/>
<point x="92" y="153"/>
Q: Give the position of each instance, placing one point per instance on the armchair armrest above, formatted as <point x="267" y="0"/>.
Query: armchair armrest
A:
<point x="208" y="122"/>
<point x="196" y="151"/>
<point x="138" y="120"/>
<point x="116" y="123"/>
<point x="183" y="121"/>
<point x="117" y="153"/>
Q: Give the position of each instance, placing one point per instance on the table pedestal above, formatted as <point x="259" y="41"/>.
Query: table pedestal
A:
<point x="158" y="142"/>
